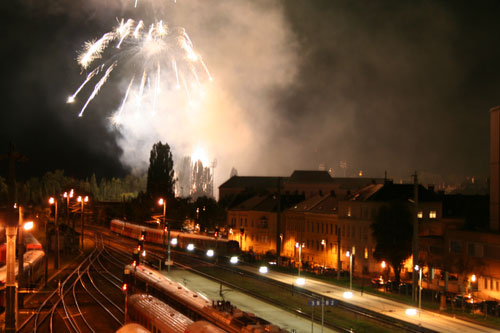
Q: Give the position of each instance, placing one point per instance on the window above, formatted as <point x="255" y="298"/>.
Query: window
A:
<point x="485" y="283"/>
<point x="349" y="211"/>
<point x="366" y="253"/>
<point x="420" y="214"/>
<point x="432" y="214"/>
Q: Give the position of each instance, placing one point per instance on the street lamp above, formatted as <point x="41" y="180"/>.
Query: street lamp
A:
<point x="350" y="255"/>
<point x="82" y="201"/>
<point x="419" y="269"/>
<point x="323" y="245"/>
<point x="53" y="201"/>
<point x="299" y="246"/>
<point x="163" y="203"/>
<point x="68" y="195"/>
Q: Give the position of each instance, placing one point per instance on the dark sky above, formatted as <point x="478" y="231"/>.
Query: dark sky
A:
<point x="386" y="85"/>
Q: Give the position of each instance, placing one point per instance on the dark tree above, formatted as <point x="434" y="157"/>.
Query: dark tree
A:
<point x="161" y="180"/>
<point x="393" y="230"/>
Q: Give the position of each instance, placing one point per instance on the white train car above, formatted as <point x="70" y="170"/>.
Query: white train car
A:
<point x="157" y="316"/>
<point x="195" y="305"/>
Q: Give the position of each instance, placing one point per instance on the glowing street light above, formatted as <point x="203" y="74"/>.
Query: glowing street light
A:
<point x="82" y="200"/>
<point x="28" y="225"/>
<point x="190" y="247"/>
<point x="348" y="254"/>
<point x="348" y="294"/>
<point x="299" y="246"/>
<point x="383" y="264"/>
<point x="53" y="201"/>
<point x="68" y="195"/>
<point x="173" y="241"/>
<point x="419" y="269"/>
<point x="163" y="202"/>
<point x="411" y="312"/>
<point x="210" y="253"/>
<point x="263" y="269"/>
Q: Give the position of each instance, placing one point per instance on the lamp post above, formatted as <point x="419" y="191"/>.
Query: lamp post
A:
<point x="299" y="246"/>
<point x="28" y="225"/>
<point x="68" y="195"/>
<point x="419" y="269"/>
<point x="163" y="203"/>
<point x="57" y="258"/>
<point x="350" y="255"/>
<point x="323" y="245"/>
<point x="82" y="201"/>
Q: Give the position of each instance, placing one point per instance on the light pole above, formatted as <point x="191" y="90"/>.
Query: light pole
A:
<point x="68" y="195"/>
<point x="163" y="203"/>
<point x="28" y="225"/>
<point x="82" y="201"/>
<point x="299" y="246"/>
<point x="350" y="255"/>
<point x="57" y="258"/>
<point x="323" y="245"/>
<point x="419" y="269"/>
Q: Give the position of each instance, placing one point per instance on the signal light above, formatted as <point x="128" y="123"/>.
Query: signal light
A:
<point x="124" y="287"/>
<point x="134" y="263"/>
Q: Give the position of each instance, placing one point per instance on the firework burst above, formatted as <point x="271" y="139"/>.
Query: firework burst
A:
<point x="155" y="59"/>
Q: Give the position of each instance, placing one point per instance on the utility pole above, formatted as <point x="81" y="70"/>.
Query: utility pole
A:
<point x="20" y="260"/>
<point x="338" y="253"/>
<point x="415" y="237"/>
<point x="278" y="225"/>
<point x="11" y="230"/>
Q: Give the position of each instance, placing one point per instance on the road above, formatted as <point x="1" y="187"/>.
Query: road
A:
<point x="427" y="319"/>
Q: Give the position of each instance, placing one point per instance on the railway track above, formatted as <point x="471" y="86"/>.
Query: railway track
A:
<point x="184" y="261"/>
<point x="87" y="299"/>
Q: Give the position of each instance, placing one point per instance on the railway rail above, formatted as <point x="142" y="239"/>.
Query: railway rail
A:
<point x="185" y="261"/>
<point x="90" y="291"/>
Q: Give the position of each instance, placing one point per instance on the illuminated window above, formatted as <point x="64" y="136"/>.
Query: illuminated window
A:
<point x="349" y="211"/>
<point x="420" y="214"/>
<point x="432" y="214"/>
<point x="366" y="253"/>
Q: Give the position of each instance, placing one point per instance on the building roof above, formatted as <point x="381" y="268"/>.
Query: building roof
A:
<point x="310" y="176"/>
<point x="391" y="192"/>
<point x="251" y="182"/>
<point x="268" y="203"/>
<point x="317" y="204"/>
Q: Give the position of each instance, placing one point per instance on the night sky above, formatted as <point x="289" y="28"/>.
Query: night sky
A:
<point x="392" y="86"/>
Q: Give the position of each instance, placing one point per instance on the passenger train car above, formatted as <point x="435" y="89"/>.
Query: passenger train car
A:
<point x="157" y="316"/>
<point x="33" y="261"/>
<point x="181" y="240"/>
<point x="196" y="306"/>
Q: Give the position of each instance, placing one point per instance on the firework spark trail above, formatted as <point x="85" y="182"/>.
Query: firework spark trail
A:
<point x="117" y="117"/>
<point x="149" y="49"/>
<point x="157" y="90"/>
<point x="93" y="50"/>
<point x="71" y="99"/>
<point x="97" y="87"/>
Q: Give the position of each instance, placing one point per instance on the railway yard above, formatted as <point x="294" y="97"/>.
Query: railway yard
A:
<point x="89" y="295"/>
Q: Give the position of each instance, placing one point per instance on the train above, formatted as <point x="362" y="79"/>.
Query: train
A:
<point x="220" y="247"/>
<point x="156" y="316"/>
<point x="33" y="262"/>
<point x="194" y="305"/>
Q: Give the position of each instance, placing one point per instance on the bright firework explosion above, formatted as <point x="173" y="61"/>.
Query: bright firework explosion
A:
<point x="151" y="51"/>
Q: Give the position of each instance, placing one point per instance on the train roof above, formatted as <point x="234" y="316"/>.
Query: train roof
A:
<point x="202" y="326"/>
<point x="173" y="233"/>
<point x="132" y="328"/>
<point x="173" y="288"/>
<point x="29" y="258"/>
<point x="163" y="313"/>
